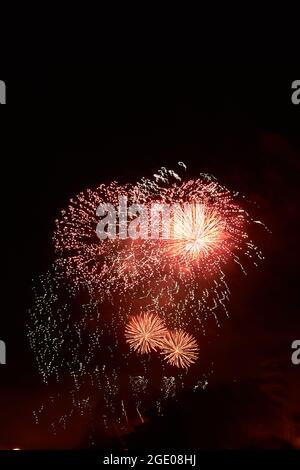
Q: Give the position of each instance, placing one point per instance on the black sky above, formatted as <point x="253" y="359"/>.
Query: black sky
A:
<point x="72" y="127"/>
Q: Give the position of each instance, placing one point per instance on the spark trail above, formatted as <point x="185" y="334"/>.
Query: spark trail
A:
<point x="99" y="290"/>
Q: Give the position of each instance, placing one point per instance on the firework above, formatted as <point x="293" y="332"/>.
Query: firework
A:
<point x="145" y="333"/>
<point x="180" y="349"/>
<point x="97" y="287"/>
<point x="183" y="276"/>
<point x="197" y="232"/>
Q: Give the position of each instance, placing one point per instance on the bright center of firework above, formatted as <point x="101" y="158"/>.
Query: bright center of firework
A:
<point x="197" y="231"/>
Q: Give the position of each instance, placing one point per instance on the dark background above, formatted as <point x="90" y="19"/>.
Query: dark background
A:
<point x="70" y="127"/>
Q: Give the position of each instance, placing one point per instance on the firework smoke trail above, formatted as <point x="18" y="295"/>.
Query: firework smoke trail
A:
<point x="182" y="278"/>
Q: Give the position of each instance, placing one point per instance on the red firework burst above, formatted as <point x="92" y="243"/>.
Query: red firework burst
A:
<point x="180" y="349"/>
<point x="145" y="332"/>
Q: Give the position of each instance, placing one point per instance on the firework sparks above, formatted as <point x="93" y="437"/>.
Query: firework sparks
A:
<point x="145" y="333"/>
<point x="197" y="231"/>
<point x="190" y="265"/>
<point x="97" y="286"/>
<point x="180" y="349"/>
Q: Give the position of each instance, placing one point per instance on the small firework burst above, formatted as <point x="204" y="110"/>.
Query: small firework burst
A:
<point x="145" y="332"/>
<point x="180" y="349"/>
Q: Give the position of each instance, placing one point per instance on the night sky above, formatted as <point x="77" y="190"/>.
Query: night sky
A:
<point x="89" y="125"/>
